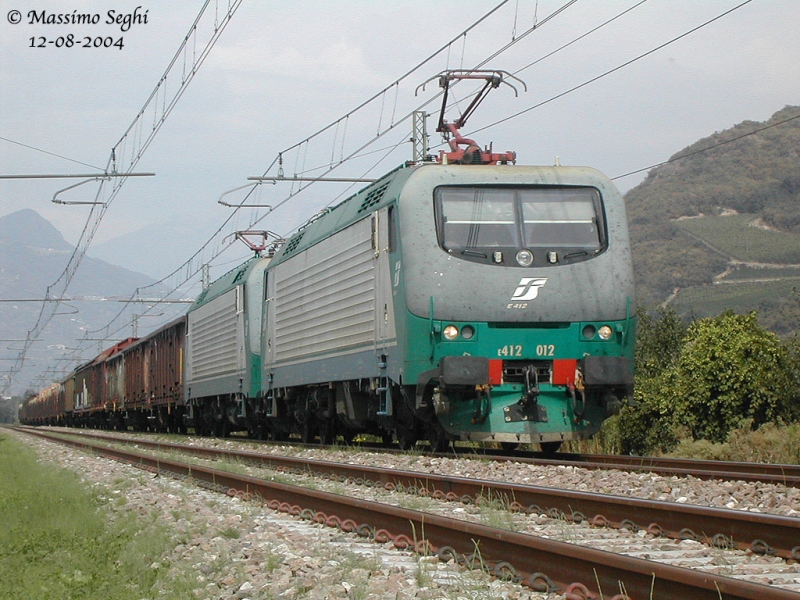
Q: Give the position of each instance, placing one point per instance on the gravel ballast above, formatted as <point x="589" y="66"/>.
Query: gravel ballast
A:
<point x="235" y="549"/>
<point x="241" y="550"/>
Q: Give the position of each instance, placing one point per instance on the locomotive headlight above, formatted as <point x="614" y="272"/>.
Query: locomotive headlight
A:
<point x="467" y="332"/>
<point x="588" y="332"/>
<point x="605" y="332"/>
<point x="524" y="258"/>
<point x="450" y="332"/>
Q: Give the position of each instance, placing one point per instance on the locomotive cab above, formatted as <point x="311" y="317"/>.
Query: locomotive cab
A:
<point x="523" y="280"/>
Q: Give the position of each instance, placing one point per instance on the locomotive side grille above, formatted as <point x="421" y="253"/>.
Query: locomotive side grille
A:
<point x="373" y="197"/>
<point x="212" y="339"/>
<point x="293" y="243"/>
<point x="327" y="301"/>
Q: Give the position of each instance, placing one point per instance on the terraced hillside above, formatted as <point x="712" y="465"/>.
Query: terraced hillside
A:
<point x="718" y="227"/>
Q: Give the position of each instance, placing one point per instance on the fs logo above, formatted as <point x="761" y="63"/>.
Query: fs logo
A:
<point x="528" y="288"/>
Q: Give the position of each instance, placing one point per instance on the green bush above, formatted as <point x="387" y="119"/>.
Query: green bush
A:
<point x="648" y="427"/>
<point x="659" y="339"/>
<point x="729" y="371"/>
<point x="721" y="374"/>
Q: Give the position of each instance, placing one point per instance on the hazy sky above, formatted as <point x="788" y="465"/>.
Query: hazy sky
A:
<point x="283" y="70"/>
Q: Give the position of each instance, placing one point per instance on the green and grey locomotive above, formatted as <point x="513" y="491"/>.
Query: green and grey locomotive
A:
<point x="482" y="302"/>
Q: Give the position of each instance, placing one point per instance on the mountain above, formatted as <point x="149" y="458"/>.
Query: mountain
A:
<point x="27" y="227"/>
<point x="154" y="243"/>
<point x="33" y="254"/>
<point x="157" y="249"/>
<point x="718" y="226"/>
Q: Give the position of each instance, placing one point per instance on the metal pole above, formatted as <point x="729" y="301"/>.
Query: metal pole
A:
<point x="419" y="135"/>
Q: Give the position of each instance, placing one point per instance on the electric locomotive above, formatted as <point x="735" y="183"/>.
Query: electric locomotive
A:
<point x="464" y="298"/>
<point x="453" y="301"/>
<point x="223" y="349"/>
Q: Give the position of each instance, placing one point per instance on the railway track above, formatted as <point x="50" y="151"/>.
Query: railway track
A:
<point x="780" y="474"/>
<point x="765" y="534"/>
<point x="542" y="564"/>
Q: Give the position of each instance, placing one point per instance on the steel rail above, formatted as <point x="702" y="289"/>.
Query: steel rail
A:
<point x="783" y="474"/>
<point x="760" y="533"/>
<point x="541" y="564"/>
<point x="778" y="474"/>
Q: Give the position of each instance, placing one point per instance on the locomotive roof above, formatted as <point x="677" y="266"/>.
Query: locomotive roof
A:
<point x="228" y="281"/>
<point x="389" y="187"/>
<point x="352" y="209"/>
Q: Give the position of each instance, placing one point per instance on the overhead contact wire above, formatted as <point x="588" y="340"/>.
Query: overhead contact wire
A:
<point x="701" y="150"/>
<point x="615" y="69"/>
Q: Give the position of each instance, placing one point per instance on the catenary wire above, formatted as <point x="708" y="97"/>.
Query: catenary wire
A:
<point x="307" y="139"/>
<point x="512" y="116"/>
<point x="97" y="211"/>
<point x="701" y="150"/>
<point x="384" y="91"/>
<point x="50" y="153"/>
<point x="614" y="70"/>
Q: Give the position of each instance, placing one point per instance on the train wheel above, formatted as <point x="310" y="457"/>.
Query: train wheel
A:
<point x="222" y="429"/>
<point x="202" y="428"/>
<point x="550" y="447"/>
<point x="406" y="425"/>
<point x="437" y="437"/>
<point x="307" y="430"/>
<point x="327" y="431"/>
<point x="258" y="432"/>
<point x="406" y="440"/>
<point x="276" y="434"/>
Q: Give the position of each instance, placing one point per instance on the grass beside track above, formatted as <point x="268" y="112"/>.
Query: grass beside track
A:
<point x="61" y="539"/>
<point x="770" y="443"/>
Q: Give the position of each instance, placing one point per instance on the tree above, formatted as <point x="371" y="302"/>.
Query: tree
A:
<point x="8" y="409"/>
<point x="659" y="340"/>
<point x="731" y="370"/>
<point x="717" y="375"/>
<point x="647" y="426"/>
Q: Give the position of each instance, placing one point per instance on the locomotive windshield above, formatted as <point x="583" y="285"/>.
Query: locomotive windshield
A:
<point x="531" y="226"/>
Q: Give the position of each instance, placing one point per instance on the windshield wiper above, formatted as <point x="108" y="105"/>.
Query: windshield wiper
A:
<point x="473" y="253"/>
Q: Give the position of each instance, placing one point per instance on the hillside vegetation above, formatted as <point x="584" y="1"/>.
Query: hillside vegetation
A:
<point x="719" y="225"/>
